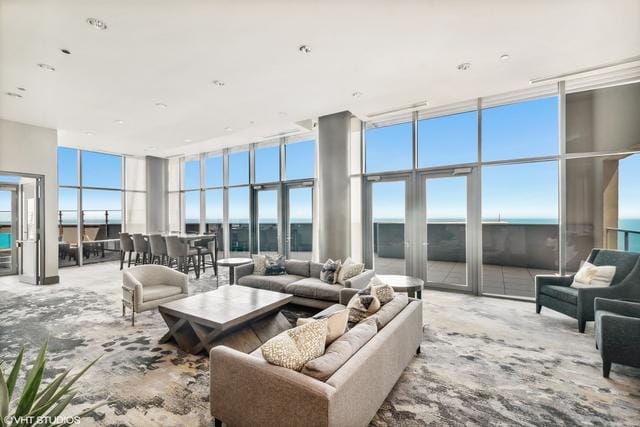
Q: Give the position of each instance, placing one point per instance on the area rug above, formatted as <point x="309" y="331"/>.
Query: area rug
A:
<point x="484" y="361"/>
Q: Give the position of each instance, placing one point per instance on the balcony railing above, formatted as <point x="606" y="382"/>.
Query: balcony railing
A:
<point x="625" y="237"/>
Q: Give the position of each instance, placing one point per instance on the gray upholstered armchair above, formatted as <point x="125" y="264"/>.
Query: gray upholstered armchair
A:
<point x="617" y="332"/>
<point x="556" y="293"/>
<point x="147" y="286"/>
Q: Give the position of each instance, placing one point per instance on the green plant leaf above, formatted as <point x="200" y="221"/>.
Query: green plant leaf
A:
<point x="72" y="381"/>
<point x="13" y="376"/>
<point x="4" y="399"/>
<point x="63" y="403"/>
<point x="44" y="397"/>
<point x="32" y="384"/>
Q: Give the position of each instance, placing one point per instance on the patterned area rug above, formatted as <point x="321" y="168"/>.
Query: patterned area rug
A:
<point x="484" y="361"/>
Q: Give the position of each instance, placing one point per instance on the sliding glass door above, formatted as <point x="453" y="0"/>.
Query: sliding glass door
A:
<point x="299" y="221"/>
<point x="8" y="229"/>
<point x="267" y="220"/>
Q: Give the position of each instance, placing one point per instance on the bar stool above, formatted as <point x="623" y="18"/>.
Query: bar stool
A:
<point x="207" y="246"/>
<point x="158" y="249"/>
<point x="126" y="246"/>
<point x="141" y="247"/>
<point x="183" y="254"/>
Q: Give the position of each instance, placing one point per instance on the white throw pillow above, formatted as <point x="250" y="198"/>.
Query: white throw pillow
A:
<point x="348" y="270"/>
<point x="259" y="264"/>
<point x="591" y="276"/>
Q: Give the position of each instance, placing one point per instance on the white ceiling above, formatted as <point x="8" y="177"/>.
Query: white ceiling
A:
<point x="394" y="52"/>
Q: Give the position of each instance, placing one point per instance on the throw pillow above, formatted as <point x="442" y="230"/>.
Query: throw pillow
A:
<point x="340" y="351"/>
<point x="259" y="264"/>
<point x="293" y="348"/>
<point x="591" y="276"/>
<point x="381" y="290"/>
<point x="274" y="266"/>
<point x="329" y="272"/>
<point x="362" y="305"/>
<point x="336" y="324"/>
<point x="348" y="270"/>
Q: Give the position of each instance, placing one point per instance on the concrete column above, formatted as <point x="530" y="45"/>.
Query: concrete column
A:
<point x="333" y="186"/>
<point x="157" y="195"/>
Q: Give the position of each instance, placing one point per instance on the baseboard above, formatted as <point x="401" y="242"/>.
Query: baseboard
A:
<point x="51" y="280"/>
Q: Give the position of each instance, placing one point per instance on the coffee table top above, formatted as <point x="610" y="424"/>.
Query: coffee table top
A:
<point x="402" y="282"/>
<point x="233" y="262"/>
<point x="227" y="306"/>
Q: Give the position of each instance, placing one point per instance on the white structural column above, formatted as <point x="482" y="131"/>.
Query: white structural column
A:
<point x="333" y="186"/>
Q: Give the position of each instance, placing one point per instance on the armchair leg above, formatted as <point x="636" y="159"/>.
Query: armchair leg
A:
<point x="133" y="317"/>
<point x="538" y="308"/>
<point x="121" y="259"/>
<point x="123" y="312"/>
<point x="606" y="368"/>
<point x="418" y="350"/>
<point x="217" y="422"/>
<point x="581" y="325"/>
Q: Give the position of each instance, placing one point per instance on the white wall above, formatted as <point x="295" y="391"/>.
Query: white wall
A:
<point x="32" y="149"/>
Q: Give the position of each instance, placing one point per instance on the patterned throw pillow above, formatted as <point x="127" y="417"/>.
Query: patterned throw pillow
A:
<point x="348" y="270"/>
<point x="259" y="264"/>
<point x="362" y="305"/>
<point x="295" y="347"/>
<point x="336" y="326"/>
<point x="381" y="290"/>
<point x="274" y="266"/>
<point x="329" y="272"/>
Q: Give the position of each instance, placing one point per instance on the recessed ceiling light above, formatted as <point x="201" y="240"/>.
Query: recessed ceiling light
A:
<point x="464" y="66"/>
<point x="95" y="22"/>
<point x="187" y="140"/>
<point x="251" y="122"/>
<point x="218" y="83"/>
<point x="151" y="148"/>
<point x="161" y="105"/>
<point x="13" y="94"/>
<point x="304" y="49"/>
<point x="228" y="129"/>
<point x="89" y="133"/>
<point x="46" y="67"/>
<point x="356" y="94"/>
<point x="65" y="51"/>
<point x="505" y="56"/>
<point x="282" y="114"/>
<point x="21" y="89"/>
<point x="119" y="122"/>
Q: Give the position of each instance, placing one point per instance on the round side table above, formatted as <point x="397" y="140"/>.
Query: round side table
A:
<point x="232" y="263"/>
<point x="411" y="285"/>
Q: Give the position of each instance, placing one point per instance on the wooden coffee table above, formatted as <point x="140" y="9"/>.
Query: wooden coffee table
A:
<point x="237" y="316"/>
<point x="411" y="285"/>
<point x="232" y="263"/>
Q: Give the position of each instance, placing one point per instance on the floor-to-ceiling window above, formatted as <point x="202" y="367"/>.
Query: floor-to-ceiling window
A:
<point x="92" y="197"/>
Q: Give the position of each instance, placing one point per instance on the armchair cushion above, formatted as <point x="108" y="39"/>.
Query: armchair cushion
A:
<point x="156" y="292"/>
<point x="563" y="293"/>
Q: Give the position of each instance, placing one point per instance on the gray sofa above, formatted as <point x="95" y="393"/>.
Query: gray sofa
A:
<point x="617" y="332"/>
<point x="302" y="281"/>
<point x="556" y="293"/>
<point x="248" y="391"/>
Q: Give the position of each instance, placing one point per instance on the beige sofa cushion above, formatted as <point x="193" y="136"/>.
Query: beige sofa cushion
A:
<point x="293" y="348"/>
<point x="311" y="287"/>
<point x="297" y="267"/>
<point x="340" y="351"/>
<point x="269" y="283"/>
<point x="390" y="310"/>
<point x="336" y="326"/>
<point x="156" y="292"/>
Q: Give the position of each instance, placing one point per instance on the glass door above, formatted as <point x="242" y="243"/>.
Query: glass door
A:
<point x="444" y="228"/>
<point x="299" y="221"/>
<point x="387" y="238"/>
<point x="267" y="220"/>
<point x="8" y="229"/>
<point x="28" y="245"/>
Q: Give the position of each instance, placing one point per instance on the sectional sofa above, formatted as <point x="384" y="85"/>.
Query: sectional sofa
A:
<point x="303" y="282"/>
<point x="248" y="391"/>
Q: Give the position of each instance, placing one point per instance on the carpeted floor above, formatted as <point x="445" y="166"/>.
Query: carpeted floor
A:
<point x="484" y="361"/>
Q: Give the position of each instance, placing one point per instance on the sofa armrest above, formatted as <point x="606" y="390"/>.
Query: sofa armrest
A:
<point x="360" y="281"/>
<point x="247" y="390"/>
<point x="587" y="296"/>
<point x="623" y="308"/>
<point x="346" y="294"/>
<point x="243" y="270"/>
<point x="619" y="333"/>
<point x="133" y="286"/>
<point x="551" y="279"/>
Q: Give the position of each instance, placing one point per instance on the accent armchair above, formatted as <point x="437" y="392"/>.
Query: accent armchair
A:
<point x="145" y="287"/>
<point x="617" y="332"/>
<point x="556" y="293"/>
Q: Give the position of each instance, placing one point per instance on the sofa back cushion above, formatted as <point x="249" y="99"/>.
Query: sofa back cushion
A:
<point x="623" y="261"/>
<point x="340" y="351"/>
<point x="390" y="310"/>
<point x="297" y="267"/>
<point x="314" y="269"/>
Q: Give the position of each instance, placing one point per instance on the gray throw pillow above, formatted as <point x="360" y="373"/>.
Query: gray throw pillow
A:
<point x="275" y="266"/>
<point x="329" y="272"/>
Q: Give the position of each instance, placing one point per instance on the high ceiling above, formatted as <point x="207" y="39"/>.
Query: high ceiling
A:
<point x="394" y="52"/>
